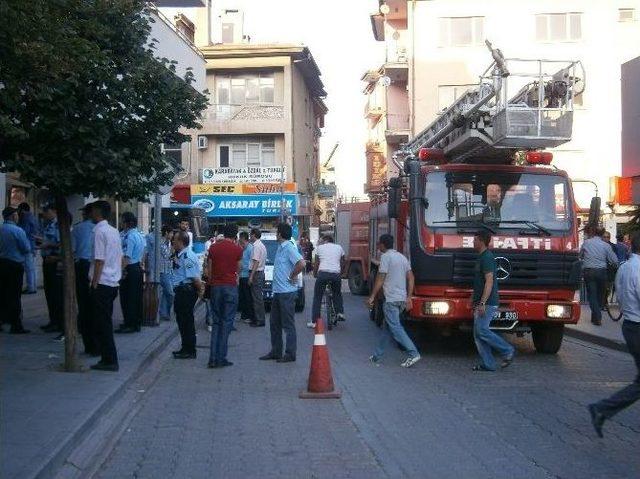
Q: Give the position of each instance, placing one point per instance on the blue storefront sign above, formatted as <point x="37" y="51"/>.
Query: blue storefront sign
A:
<point x="245" y="205"/>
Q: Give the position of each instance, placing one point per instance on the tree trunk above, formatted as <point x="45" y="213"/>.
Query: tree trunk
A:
<point x="69" y="287"/>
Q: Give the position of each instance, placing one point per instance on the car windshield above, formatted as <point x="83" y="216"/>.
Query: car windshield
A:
<point x="272" y="247"/>
<point x="536" y="202"/>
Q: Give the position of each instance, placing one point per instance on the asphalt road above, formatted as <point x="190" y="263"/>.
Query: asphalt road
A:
<point x="436" y="420"/>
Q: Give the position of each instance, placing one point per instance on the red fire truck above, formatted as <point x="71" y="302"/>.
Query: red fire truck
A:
<point x="480" y="166"/>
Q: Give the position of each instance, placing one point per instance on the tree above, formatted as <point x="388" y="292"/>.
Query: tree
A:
<point x="85" y="106"/>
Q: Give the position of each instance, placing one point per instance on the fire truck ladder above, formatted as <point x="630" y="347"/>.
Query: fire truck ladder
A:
<point x="486" y="125"/>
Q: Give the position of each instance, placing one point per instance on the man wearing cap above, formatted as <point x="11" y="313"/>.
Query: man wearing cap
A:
<point x="132" y="284"/>
<point x="82" y="240"/>
<point x="14" y="246"/>
<point x="51" y="277"/>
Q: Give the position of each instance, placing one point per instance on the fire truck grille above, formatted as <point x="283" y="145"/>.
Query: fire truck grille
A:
<point x="522" y="269"/>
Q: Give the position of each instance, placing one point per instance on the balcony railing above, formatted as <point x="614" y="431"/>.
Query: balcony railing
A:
<point x="252" y="111"/>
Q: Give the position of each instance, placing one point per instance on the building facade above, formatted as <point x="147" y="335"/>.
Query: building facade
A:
<point x="443" y="43"/>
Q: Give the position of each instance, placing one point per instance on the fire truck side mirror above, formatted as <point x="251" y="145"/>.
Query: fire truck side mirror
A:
<point x="594" y="210"/>
<point x="395" y="196"/>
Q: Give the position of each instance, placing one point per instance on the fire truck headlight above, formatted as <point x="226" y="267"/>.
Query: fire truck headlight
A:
<point x="558" y="311"/>
<point x="435" y="308"/>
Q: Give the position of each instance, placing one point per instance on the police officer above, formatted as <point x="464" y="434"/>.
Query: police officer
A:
<point x="82" y="237"/>
<point x="14" y="246"/>
<point x="187" y="287"/>
<point x="131" y="285"/>
<point x="51" y="277"/>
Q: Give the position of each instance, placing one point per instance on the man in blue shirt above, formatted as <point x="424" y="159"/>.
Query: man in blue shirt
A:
<point x="244" y="288"/>
<point x="14" y="246"/>
<point x="288" y="264"/>
<point x="131" y="285"/>
<point x="30" y="226"/>
<point x="51" y="276"/>
<point x="628" y="293"/>
<point x="187" y="287"/>
<point x="82" y="240"/>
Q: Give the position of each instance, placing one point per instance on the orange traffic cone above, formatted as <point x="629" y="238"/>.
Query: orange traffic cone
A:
<point x="320" y="379"/>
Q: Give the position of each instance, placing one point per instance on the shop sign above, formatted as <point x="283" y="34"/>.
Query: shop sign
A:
<point x="218" y="205"/>
<point x="240" y="188"/>
<point x="250" y="174"/>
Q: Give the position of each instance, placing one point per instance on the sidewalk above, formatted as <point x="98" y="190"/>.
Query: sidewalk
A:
<point x="608" y="335"/>
<point x="45" y="411"/>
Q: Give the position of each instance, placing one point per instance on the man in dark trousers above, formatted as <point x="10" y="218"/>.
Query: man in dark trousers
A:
<point x="132" y="283"/>
<point x="287" y="265"/>
<point x="52" y="280"/>
<point x="244" y="290"/>
<point x="14" y="246"/>
<point x="105" y="273"/>
<point x="628" y="293"/>
<point x="187" y="288"/>
<point x="82" y="239"/>
<point x="256" y="277"/>
<point x="485" y="302"/>
<point x="225" y="262"/>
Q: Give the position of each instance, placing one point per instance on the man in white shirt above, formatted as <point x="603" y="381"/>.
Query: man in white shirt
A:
<point x="327" y="269"/>
<point x="256" y="277"/>
<point x="105" y="274"/>
<point x="395" y="278"/>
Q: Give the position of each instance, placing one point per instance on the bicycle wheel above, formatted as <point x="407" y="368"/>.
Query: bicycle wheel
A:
<point x="612" y="307"/>
<point x="329" y="311"/>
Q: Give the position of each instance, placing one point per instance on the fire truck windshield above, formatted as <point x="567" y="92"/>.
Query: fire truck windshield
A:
<point x="537" y="202"/>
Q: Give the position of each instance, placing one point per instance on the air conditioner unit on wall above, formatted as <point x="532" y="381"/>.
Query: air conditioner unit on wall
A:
<point x="203" y="142"/>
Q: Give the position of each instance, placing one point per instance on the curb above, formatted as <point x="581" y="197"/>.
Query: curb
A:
<point x="57" y="458"/>
<point x="595" y="339"/>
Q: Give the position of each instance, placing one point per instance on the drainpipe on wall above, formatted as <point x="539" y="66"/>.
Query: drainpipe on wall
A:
<point x="412" y="59"/>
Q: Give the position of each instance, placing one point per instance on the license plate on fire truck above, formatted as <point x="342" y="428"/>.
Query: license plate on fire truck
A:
<point x="504" y="319"/>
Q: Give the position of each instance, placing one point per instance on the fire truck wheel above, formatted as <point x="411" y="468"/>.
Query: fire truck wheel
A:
<point x="547" y="338"/>
<point x="357" y="283"/>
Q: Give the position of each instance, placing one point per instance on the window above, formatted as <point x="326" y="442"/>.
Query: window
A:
<point x="245" y="89"/>
<point x="447" y="94"/>
<point x="253" y="152"/>
<point x="626" y="14"/>
<point x="559" y="27"/>
<point x="461" y="31"/>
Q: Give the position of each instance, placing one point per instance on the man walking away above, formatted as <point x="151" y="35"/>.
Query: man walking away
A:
<point x="187" y="287"/>
<point x="29" y="224"/>
<point x="596" y="256"/>
<point x="52" y="281"/>
<point x="132" y="283"/>
<point x="485" y="302"/>
<point x="14" y="247"/>
<point x="82" y="240"/>
<point x="244" y="290"/>
<point x="256" y="277"/>
<point x="288" y="264"/>
<point x="396" y="280"/>
<point x="105" y="273"/>
<point x="328" y="268"/>
<point x="628" y="292"/>
<point x="225" y="261"/>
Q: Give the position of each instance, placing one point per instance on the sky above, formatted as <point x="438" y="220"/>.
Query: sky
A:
<point x="338" y="33"/>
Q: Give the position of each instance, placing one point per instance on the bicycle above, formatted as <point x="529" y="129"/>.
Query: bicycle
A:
<point x="329" y="308"/>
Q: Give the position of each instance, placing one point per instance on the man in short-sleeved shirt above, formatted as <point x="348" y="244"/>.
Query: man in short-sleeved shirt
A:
<point x="132" y="284"/>
<point x="395" y="278"/>
<point x="105" y="273"/>
<point x="187" y="287"/>
<point x="328" y="271"/>
<point x="225" y="262"/>
<point x="485" y="301"/>
<point x="245" y="299"/>
<point x="288" y="264"/>
<point x="256" y="277"/>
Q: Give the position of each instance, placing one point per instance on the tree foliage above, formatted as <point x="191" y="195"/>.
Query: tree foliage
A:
<point x="84" y="102"/>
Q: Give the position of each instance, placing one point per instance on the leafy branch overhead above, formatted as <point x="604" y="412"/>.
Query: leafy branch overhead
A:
<point x="85" y="102"/>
